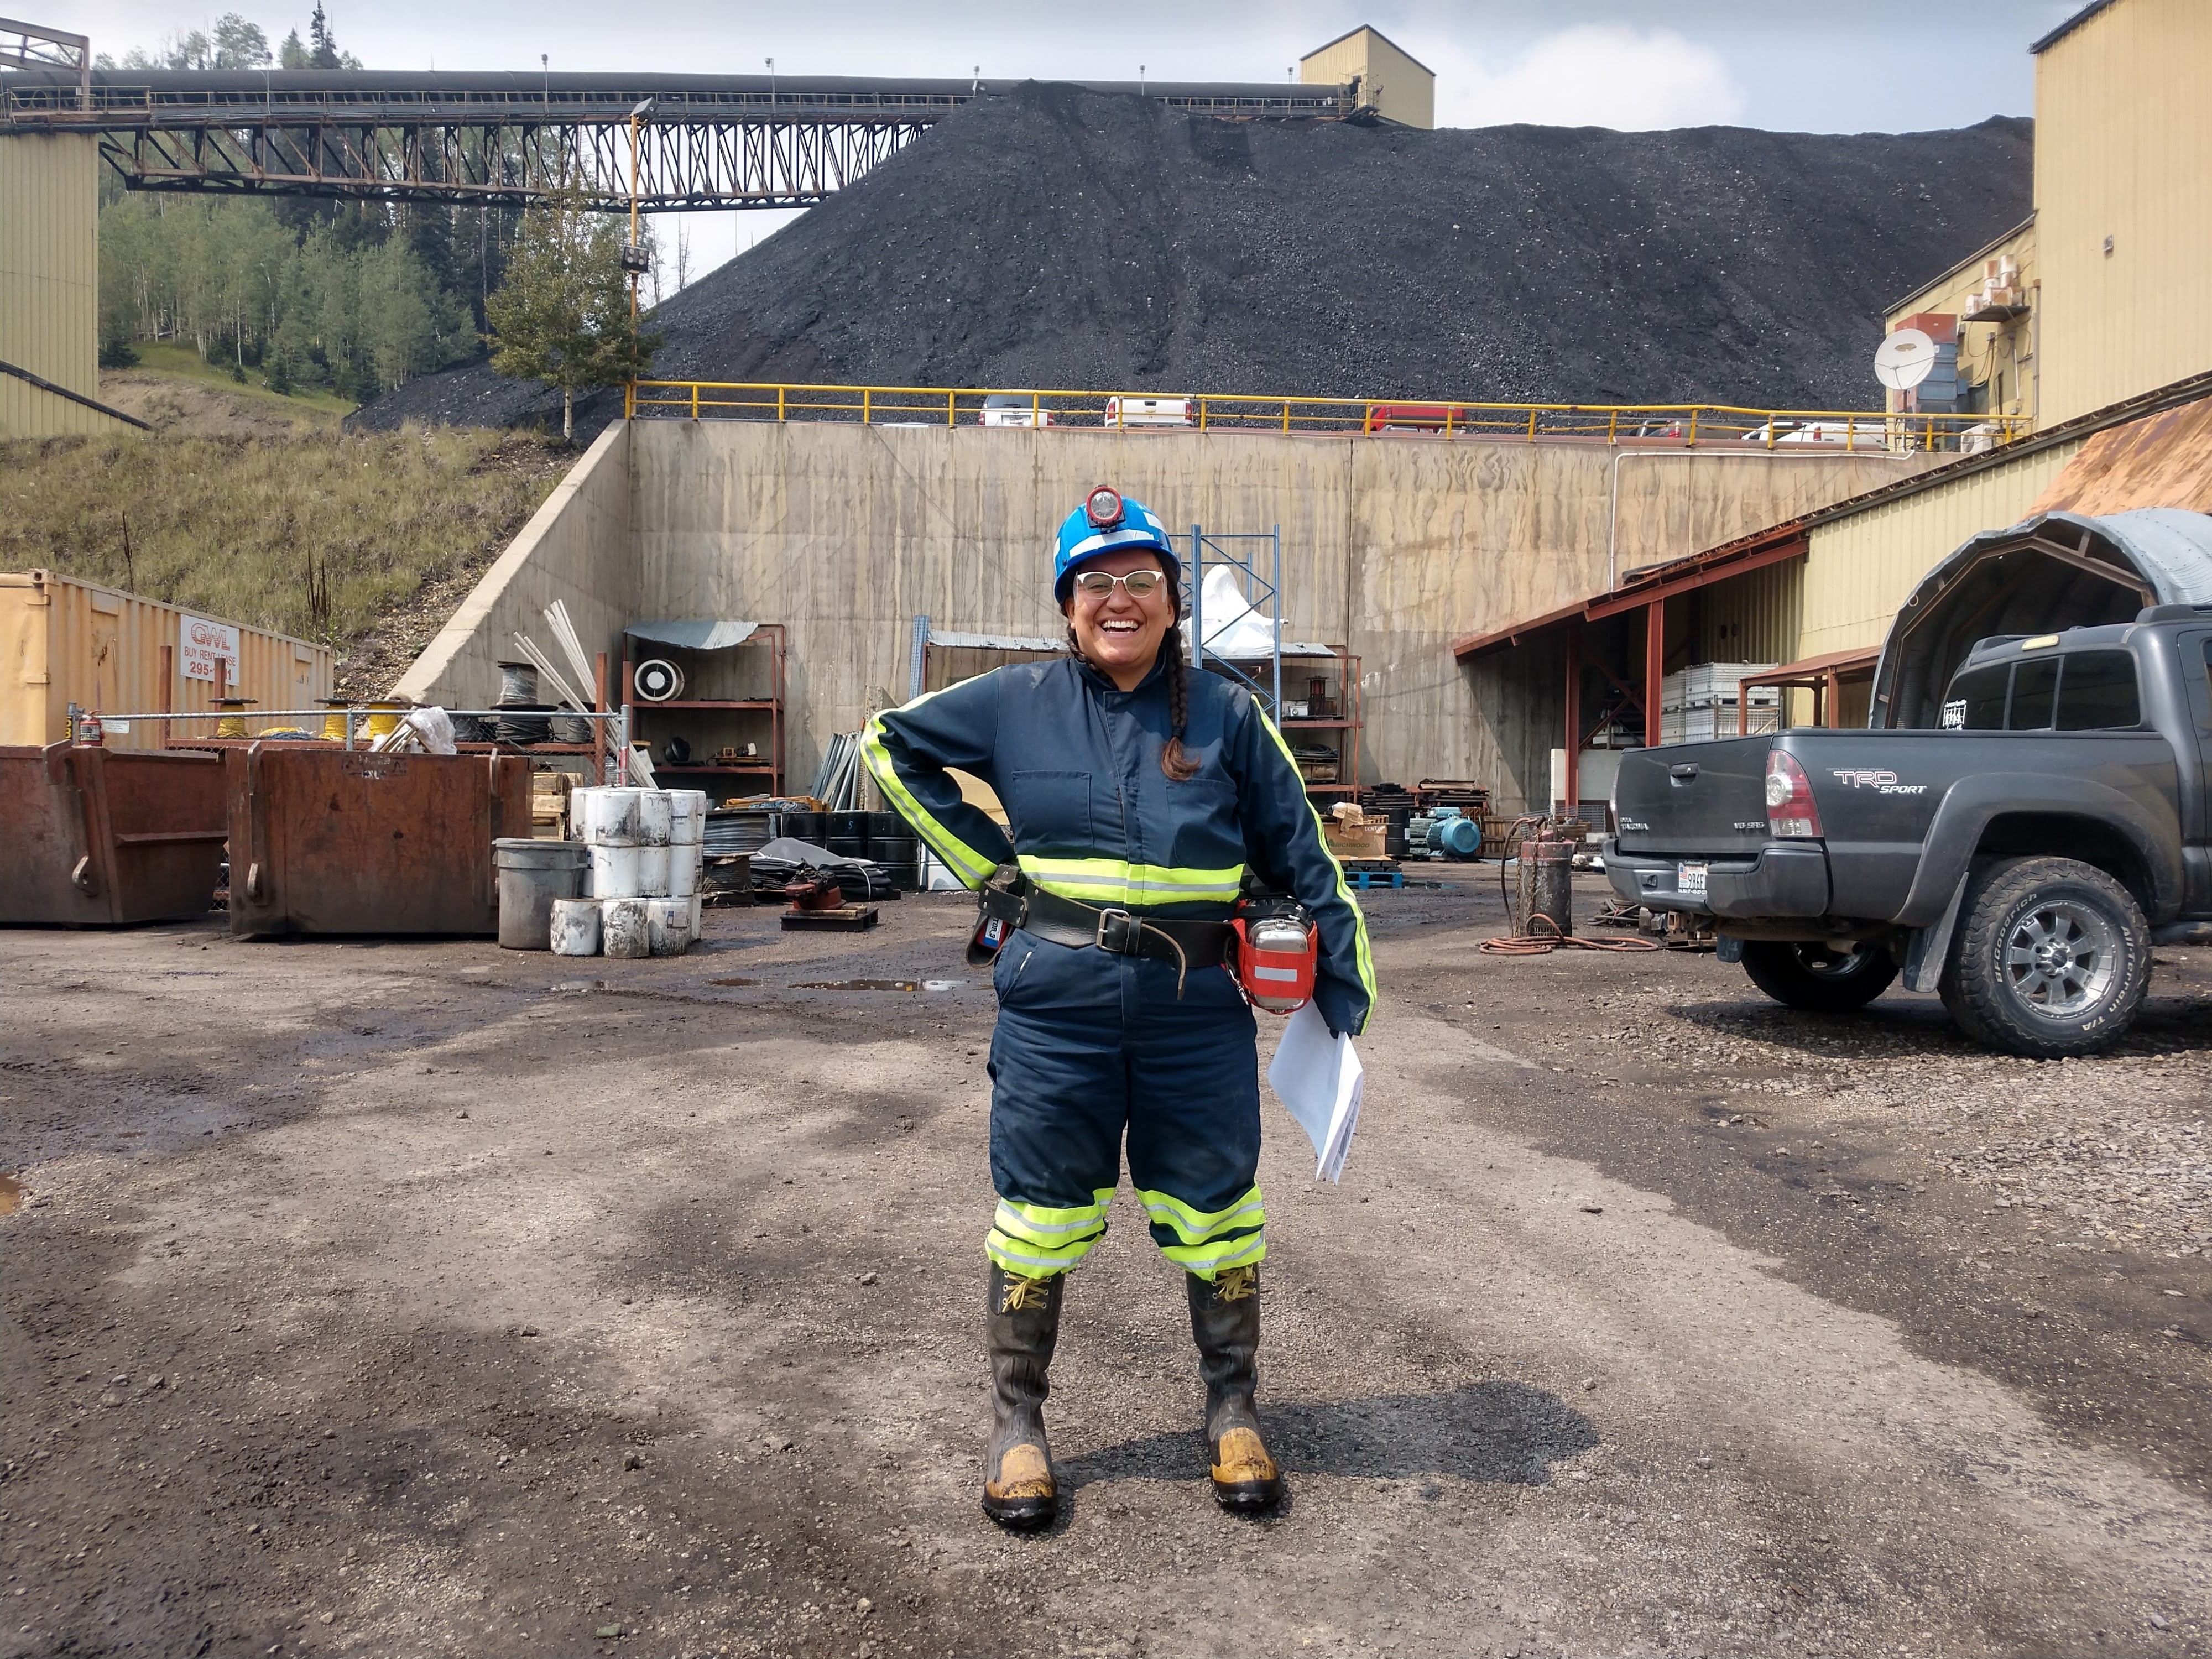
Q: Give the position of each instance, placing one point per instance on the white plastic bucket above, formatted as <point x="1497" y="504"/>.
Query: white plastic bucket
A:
<point x="668" y="926"/>
<point x="697" y="915"/>
<point x="683" y="872"/>
<point x="575" y="927"/>
<point x="653" y="865"/>
<point x="624" y="931"/>
<point x="620" y="872"/>
<point x="621" y="818"/>
<point x="687" y="820"/>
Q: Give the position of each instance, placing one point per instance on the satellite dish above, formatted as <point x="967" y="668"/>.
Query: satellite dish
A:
<point x="1904" y="359"/>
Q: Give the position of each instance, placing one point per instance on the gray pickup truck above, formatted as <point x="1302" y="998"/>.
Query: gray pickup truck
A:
<point x="2022" y="860"/>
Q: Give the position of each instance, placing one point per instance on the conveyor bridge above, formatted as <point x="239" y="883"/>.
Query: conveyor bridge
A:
<point x="508" y="139"/>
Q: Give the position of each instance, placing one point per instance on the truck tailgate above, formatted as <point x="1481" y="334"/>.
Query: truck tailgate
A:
<point x="1707" y="799"/>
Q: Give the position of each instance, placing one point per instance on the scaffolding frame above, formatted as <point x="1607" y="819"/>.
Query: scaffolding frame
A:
<point x="1240" y="551"/>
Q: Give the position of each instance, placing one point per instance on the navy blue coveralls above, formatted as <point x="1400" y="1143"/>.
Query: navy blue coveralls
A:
<point x="1092" y="1044"/>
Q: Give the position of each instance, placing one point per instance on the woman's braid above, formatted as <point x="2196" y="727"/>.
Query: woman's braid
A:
<point x="1174" y="760"/>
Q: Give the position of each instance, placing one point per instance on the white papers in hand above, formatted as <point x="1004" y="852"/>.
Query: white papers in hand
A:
<point x="1319" y="1078"/>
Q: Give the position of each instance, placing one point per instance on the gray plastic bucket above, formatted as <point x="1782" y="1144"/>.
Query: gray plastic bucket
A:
<point x="532" y="875"/>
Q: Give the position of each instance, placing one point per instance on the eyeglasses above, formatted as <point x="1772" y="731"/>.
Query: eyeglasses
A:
<point x="1138" y="584"/>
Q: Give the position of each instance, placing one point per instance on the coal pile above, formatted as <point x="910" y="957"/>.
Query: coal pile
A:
<point x="1059" y="238"/>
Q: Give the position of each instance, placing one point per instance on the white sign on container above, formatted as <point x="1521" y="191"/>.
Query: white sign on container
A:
<point x="200" y="643"/>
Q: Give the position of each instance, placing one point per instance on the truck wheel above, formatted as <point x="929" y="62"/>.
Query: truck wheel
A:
<point x="1813" y="976"/>
<point x="2052" y="959"/>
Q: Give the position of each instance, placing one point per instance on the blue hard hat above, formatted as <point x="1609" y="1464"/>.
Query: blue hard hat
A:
<point x="1108" y="522"/>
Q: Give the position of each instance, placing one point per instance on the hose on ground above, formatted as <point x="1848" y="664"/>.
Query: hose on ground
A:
<point x="1544" y="936"/>
<point x="1539" y="940"/>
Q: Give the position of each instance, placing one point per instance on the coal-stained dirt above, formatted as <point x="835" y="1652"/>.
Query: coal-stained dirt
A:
<point x="421" y="1297"/>
<point x="1054" y="237"/>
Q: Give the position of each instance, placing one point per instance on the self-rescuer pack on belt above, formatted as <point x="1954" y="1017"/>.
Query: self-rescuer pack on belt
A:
<point x="1276" y="951"/>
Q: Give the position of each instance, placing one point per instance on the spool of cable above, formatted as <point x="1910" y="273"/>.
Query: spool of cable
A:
<point x="657" y="680"/>
<point x="518" y="685"/>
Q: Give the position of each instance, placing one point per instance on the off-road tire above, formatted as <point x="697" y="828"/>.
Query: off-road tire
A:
<point x="1995" y="985"/>
<point x="1814" y="977"/>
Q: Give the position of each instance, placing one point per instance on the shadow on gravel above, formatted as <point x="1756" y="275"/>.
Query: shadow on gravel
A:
<point x="1502" y="1432"/>
<point x="1901" y="1029"/>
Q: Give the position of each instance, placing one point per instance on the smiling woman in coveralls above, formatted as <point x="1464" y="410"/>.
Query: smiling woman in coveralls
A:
<point x="1141" y="800"/>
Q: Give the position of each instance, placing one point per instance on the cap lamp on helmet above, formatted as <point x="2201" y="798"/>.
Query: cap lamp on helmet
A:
<point x="1108" y="522"/>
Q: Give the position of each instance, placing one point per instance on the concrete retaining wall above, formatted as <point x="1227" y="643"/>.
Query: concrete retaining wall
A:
<point x="577" y="548"/>
<point x="1395" y="545"/>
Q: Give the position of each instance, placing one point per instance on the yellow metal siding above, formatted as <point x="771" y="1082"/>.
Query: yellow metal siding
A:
<point x="63" y="641"/>
<point x="1399" y="87"/>
<point x="1861" y="568"/>
<point x="2123" y="149"/>
<point x="1755" y="617"/>
<point x="50" y="283"/>
<point x="2001" y="352"/>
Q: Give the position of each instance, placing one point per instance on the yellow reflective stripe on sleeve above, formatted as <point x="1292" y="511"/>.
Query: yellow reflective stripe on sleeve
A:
<point x="1363" y="956"/>
<point x="1207" y="1259"/>
<point x="963" y="860"/>
<point x="1116" y="881"/>
<point x="1198" y="1226"/>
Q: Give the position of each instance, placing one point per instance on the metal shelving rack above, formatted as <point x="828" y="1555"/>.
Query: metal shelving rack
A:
<point x="770" y="766"/>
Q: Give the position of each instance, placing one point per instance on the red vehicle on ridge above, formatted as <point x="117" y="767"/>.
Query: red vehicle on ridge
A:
<point x="1414" y="417"/>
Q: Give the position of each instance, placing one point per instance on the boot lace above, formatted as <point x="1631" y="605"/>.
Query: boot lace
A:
<point x="1023" y="1294"/>
<point x="1234" y="1284"/>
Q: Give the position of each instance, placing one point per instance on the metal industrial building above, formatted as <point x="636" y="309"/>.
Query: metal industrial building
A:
<point x="2094" y="315"/>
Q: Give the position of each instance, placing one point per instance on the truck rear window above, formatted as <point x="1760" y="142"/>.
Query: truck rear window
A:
<point x="1976" y="703"/>
<point x="2098" y="692"/>
<point x="2080" y="691"/>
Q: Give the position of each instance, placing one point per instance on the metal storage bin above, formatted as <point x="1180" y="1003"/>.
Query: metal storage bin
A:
<point x="327" y="841"/>
<point x="100" y="837"/>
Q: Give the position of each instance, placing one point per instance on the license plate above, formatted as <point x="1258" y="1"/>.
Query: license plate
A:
<point x="1690" y="880"/>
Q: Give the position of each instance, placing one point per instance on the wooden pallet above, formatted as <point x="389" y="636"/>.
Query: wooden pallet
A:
<point x="844" y="918"/>
<point x="1365" y="881"/>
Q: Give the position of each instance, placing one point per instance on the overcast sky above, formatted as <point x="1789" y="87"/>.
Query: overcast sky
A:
<point x="1867" y="65"/>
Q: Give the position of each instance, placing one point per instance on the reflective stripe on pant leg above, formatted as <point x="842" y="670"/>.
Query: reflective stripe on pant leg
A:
<point x="1206" y="1243"/>
<point x="1038" y="1241"/>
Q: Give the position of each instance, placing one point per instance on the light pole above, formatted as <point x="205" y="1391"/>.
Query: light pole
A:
<point x="771" y="81"/>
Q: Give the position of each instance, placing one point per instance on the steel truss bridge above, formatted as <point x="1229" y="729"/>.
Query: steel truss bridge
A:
<point x="508" y="140"/>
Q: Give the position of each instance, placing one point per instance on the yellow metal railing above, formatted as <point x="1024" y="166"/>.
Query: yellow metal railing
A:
<point x="1666" y="425"/>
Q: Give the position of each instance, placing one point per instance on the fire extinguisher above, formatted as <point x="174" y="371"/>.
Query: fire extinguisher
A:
<point x="1277" y="947"/>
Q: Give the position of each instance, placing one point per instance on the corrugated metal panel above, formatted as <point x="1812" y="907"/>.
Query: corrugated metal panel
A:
<point x="1755" y="617"/>
<point x="1859" y="570"/>
<point x="2123" y="149"/>
<point x="66" y="641"/>
<point x="50" y="282"/>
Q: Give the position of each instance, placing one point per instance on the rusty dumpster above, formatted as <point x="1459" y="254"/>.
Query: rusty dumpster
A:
<point x="93" y="837"/>
<point x="327" y="841"/>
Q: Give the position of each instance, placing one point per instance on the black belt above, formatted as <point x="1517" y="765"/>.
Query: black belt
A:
<point x="1020" y="903"/>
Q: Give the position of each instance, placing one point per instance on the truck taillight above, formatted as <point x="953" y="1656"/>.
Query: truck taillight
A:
<point x="1791" y="813"/>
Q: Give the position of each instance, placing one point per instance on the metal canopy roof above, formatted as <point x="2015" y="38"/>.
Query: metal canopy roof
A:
<point x="2054" y="569"/>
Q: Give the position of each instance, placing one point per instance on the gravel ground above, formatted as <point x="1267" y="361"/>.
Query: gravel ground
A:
<point x="424" y="1298"/>
<point x="1059" y="238"/>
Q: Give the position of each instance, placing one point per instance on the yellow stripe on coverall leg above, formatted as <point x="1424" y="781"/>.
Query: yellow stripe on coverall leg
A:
<point x="1201" y="1226"/>
<point x="1040" y="1239"/>
<point x="1208" y="1260"/>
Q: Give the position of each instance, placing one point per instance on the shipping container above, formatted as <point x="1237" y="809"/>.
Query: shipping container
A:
<point x="116" y="653"/>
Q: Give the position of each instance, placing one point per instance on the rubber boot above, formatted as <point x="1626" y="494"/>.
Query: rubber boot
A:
<point x="1023" y="1324"/>
<point x="1224" y="1318"/>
